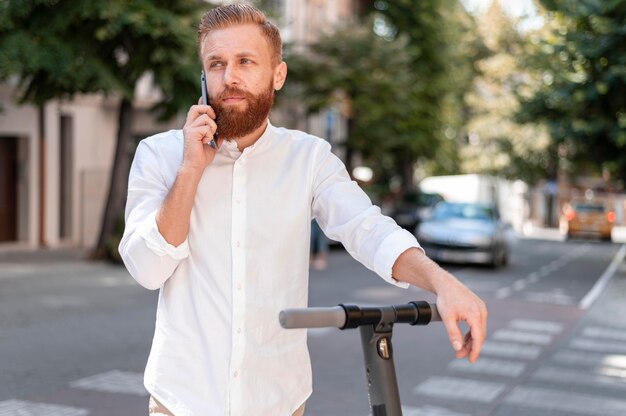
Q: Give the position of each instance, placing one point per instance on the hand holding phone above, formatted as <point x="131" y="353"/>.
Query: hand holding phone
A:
<point x="205" y="101"/>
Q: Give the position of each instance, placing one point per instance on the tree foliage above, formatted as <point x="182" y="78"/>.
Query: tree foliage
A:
<point x="60" y="48"/>
<point x="404" y="73"/>
<point x="497" y="144"/>
<point x="443" y="48"/>
<point x="370" y="77"/>
<point x="580" y="60"/>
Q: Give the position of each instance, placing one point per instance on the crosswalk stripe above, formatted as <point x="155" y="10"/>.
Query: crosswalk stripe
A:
<point x="598" y="346"/>
<point x="600" y="378"/>
<point x="539" y="326"/>
<point x="114" y="381"/>
<point x="574" y="403"/>
<point x="451" y="388"/>
<point x="490" y="366"/>
<point x="429" y="411"/>
<point x="523" y="337"/>
<point x="603" y="332"/>
<point x="510" y="350"/>
<point x="589" y="359"/>
<point x="24" y="408"/>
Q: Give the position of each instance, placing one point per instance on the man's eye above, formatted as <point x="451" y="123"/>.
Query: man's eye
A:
<point x="245" y="61"/>
<point x="215" y="64"/>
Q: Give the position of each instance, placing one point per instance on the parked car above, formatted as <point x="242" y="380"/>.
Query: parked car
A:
<point x="584" y="217"/>
<point x="413" y="208"/>
<point x="465" y="233"/>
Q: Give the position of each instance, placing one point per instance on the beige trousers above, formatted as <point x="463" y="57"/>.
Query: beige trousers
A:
<point x="155" y="408"/>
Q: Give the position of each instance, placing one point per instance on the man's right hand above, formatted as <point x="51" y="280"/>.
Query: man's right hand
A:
<point x="198" y="132"/>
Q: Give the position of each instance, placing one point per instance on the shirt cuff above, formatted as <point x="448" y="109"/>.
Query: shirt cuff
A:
<point x="149" y="231"/>
<point x="392" y="246"/>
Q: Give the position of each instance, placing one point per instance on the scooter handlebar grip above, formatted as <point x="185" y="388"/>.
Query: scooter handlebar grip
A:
<point x="313" y="317"/>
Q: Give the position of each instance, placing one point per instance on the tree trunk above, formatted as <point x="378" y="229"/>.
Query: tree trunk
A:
<point x="118" y="182"/>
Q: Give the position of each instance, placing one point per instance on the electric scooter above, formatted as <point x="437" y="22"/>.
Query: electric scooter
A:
<point x="376" y="325"/>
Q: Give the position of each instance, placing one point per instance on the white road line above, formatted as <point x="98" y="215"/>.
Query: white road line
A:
<point x="603" y="377"/>
<point x="450" y="388"/>
<point x="510" y="350"/>
<point x="572" y="403"/>
<point x="603" y="332"/>
<point x="23" y="408"/>
<point x="490" y="366"/>
<point x="598" y="346"/>
<point x="604" y="280"/>
<point x="574" y="358"/>
<point x="523" y="337"/>
<point x="539" y="326"/>
<point x="114" y="381"/>
<point x="429" y="411"/>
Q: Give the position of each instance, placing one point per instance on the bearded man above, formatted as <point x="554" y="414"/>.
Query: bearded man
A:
<point x="223" y="233"/>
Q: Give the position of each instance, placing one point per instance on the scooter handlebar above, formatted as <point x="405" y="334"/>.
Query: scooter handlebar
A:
<point x="313" y="317"/>
<point x="351" y="316"/>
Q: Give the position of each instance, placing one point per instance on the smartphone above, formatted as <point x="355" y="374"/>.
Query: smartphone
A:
<point x="205" y="101"/>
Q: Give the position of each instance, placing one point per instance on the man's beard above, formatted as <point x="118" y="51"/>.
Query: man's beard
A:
<point x="233" y="123"/>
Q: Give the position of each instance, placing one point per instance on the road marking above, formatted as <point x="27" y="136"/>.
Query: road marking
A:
<point x="114" y="381"/>
<point x="604" y="280"/>
<point x="544" y="271"/>
<point x="523" y="337"/>
<point x="23" y="408"/>
<point x="429" y="411"/>
<point x="602" y="332"/>
<point x="573" y="403"/>
<point x="556" y="296"/>
<point x="598" y="346"/>
<point x="460" y="389"/>
<point x="603" y="377"/>
<point x="539" y="326"/>
<point x="588" y="359"/>
<point x="510" y="350"/>
<point x="504" y="292"/>
<point x="490" y="366"/>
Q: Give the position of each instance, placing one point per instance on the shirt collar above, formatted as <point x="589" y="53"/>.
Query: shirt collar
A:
<point x="229" y="147"/>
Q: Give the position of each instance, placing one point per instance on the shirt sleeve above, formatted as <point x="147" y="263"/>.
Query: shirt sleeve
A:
<point x="149" y="258"/>
<point x="346" y="214"/>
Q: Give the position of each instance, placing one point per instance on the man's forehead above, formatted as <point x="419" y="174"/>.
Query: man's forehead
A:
<point x="235" y="39"/>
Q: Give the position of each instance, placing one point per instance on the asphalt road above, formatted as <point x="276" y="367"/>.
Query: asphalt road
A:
<point x="74" y="338"/>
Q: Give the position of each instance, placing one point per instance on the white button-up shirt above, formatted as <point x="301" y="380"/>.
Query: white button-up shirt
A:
<point x="218" y="347"/>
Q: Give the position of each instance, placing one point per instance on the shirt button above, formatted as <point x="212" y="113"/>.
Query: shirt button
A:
<point x="239" y="330"/>
<point x="235" y="374"/>
<point x="238" y="244"/>
<point x="238" y="201"/>
<point x="238" y="287"/>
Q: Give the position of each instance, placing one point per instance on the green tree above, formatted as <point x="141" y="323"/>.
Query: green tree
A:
<point x="497" y="144"/>
<point x="443" y="48"/>
<point x="371" y="76"/>
<point x="581" y="62"/>
<point x="60" y="48"/>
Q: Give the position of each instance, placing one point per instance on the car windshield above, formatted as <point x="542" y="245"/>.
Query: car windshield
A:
<point x="446" y="211"/>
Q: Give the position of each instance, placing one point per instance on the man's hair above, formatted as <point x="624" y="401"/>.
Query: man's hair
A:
<point x="241" y="14"/>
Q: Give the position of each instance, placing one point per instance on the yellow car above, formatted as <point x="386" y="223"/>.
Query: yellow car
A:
<point x="587" y="217"/>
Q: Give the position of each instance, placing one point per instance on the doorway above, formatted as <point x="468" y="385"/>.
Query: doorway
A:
<point x="8" y="189"/>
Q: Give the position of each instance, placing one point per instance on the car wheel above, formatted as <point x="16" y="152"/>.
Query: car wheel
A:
<point x="498" y="259"/>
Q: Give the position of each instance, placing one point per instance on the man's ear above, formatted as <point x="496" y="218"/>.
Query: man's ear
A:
<point x="280" y="73"/>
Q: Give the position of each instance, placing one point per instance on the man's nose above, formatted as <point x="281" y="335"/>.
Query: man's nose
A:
<point x="231" y="75"/>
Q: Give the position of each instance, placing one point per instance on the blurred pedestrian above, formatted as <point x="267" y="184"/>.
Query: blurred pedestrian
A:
<point x="319" y="248"/>
<point x="221" y="233"/>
